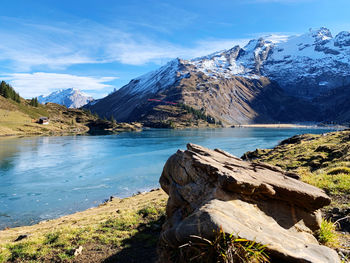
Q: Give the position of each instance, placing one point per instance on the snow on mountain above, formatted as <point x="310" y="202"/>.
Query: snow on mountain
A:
<point x="300" y="64"/>
<point x="287" y="78"/>
<point x="71" y="98"/>
<point x="162" y="78"/>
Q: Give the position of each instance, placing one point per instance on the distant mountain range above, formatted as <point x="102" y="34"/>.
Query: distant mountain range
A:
<point x="71" y="98"/>
<point x="300" y="78"/>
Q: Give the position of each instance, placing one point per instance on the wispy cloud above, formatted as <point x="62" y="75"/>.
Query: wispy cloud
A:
<point x="38" y="46"/>
<point x="39" y="83"/>
<point x="145" y="51"/>
<point x="26" y="45"/>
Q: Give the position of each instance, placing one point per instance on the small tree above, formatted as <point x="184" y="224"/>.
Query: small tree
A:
<point x="113" y="120"/>
<point x="34" y="102"/>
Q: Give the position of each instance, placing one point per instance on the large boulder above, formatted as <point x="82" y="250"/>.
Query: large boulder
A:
<point x="209" y="189"/>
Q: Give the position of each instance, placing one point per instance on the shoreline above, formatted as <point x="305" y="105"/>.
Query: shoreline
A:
<point x="78" y="219"/>
<point x="96" y="204"/>
<point x="118" y="229"/>
<point x="265" y="125"/>
<point x="290" y="125"/>
<point x="127" y="128"/>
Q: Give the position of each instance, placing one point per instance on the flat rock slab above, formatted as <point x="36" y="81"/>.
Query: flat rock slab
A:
<point x="209" y="189"/>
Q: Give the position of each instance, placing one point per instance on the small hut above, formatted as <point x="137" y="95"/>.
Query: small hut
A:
<point x="44" y="120"/>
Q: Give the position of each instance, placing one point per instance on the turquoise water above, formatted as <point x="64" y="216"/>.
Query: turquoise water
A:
<point x="47" y="177"/>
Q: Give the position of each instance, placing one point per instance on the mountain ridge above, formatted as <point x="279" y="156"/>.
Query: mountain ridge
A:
<point x="265" y="81"/>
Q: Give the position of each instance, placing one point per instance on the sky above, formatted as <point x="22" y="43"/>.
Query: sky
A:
<point x="100" y="45"/>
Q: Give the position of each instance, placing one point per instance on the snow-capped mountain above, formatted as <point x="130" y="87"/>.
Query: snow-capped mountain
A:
<point x="71" y="98"/>
<point x="268" y="80"/>
<point x="305" y="65"/>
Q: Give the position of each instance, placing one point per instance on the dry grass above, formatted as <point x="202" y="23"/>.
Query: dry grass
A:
<point x="20" y="119"/>
<point x="106" y="227"/>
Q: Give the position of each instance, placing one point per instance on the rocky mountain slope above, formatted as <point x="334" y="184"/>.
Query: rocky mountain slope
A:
<point x="304" y="65"/>
<point x="294" y="80"/>
<point x="71" y="98"/>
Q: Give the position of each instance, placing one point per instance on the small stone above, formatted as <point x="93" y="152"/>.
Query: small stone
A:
<point x="78" y="251"/>
<point x="335" y="210"/>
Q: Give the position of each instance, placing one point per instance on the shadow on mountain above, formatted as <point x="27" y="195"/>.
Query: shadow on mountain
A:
<point x="273" y="105"/>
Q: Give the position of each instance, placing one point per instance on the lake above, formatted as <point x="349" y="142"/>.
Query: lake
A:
<point x="46" y="177"/>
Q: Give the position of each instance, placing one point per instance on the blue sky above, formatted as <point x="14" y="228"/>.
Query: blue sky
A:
<point x="99" y="45"/>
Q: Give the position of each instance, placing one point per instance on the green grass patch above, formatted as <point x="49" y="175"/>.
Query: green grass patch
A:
<point x="51" y="238"/>
<point x="333" y="184"/>
<point x="150" y="212"/>
<point x="23" y="251"/>
<point x="327" y="234"/>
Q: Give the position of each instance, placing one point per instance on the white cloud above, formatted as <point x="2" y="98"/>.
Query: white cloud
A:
<point x="40" y="83"/>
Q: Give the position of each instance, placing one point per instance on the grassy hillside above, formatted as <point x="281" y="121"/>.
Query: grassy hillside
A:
<point x="21" y="119"/>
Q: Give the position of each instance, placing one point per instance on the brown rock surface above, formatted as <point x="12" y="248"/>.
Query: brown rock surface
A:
<point x="210" y="189"/>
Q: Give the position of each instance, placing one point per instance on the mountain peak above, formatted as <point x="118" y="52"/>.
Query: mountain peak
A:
<point x="305" y="67"/>
<point x="321" y="34"/>
<point x="342" y="39"/>
<point x="71" y="98"/>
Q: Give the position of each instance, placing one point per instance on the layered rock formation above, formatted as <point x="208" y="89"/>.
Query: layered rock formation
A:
<point x="209" y="189"/>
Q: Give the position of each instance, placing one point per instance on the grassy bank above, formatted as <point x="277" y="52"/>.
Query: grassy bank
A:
<point x="323" y="161"/>
<point x="122" y="230"/>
